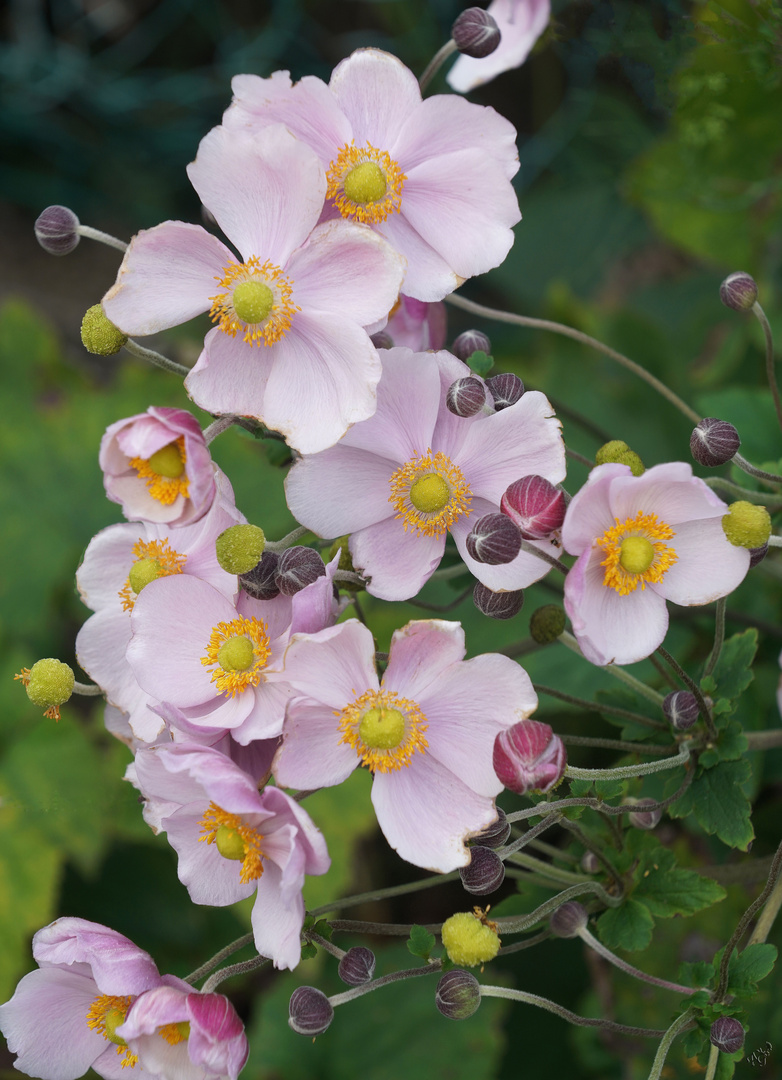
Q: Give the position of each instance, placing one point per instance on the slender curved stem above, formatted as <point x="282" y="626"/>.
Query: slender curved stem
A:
<point x="771" y="374"/>
<point x="752" y="470"/>
<point x="596" y="706"/>
<point x="694" y="689"/>
<point x="614" y="744"/>
<point x="233" y="969"/>
<point x="290" y="538"/>
<point x="436" y="63"/>
<point x="384" y="980"/>
<point x="87" y="689"/>
<point x="679" y="1024"/>
<point x="517" y="924"/>
<point x="531" y="834"/>
<point x="629" y="772"/>
<point x="384" y="894"/>
<point x="719" y="636"/>
<point x="217" y="959"/>
<point x="566" y="1014"/>
<point x="628" y="969"/>
<point x="711" y="1065"/>
<point x="101" y="237"/>
<point x="617" y="672"/>
<point x="156" y="358"/>
<point x="325" y="944"/>
<point x="217" y="427"/>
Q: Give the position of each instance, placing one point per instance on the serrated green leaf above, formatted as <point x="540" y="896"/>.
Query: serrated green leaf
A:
<point x="719" y="804"/>
<point x="481" y="363"/>
<point x="308" y="952"/>
<point x="698" y="973"/>
<point x="731" y="745"/>
<point x="421" y="942"/>
<point x="693" y="1043"/>
<point x="748" y="967"/>
<point x="668" y="892"/>
<point x="627" y="927"/>
<point x="609" y="789"/>
<point x="580" y="789"/>
<point x="733" y="671"/>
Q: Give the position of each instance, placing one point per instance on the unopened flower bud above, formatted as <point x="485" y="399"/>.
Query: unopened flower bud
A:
<point x="382" y="340"/>
<point x="681" y="708"/>
<point x="475" y="33"/>
<point x="298" y="567"/>
<point x="470" y="341"/>
<point x="57" y="230"/>
<point x="468" y="940"/>
<point x="739" y="291"/>
<point x="568" y="920"/>
<point x="714" y="442"/>
<point x="505" y="389"/>
<point x="261" y="581"/>
<point x="494" y="835"/>
<point x="547" y="623"/>
<point x="529" y="757"/>
<point x="49" y="684"/>
<point x="535" y="506"/>
<point x="645" y="814"/>
<point x="757" y="555"/>
<point x="309" y="1012"/>
<point x="239" y="548"/>
<point x="618" y="452"/>
<point x="100" y="336"/>
<point x="484" y="873"/>
<point x="727" y="1034"/>
<point x="357" y="966"/>
<point x="458" y="995"/>
<point x="497" y="605"/>
<point x="590" y="863"/>
<point x="493" y="539"/>
<point x="747" y="524"/>
<point x="466" y="396"/>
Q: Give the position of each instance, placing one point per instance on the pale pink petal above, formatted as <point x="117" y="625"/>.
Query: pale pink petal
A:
<point x="708" y="565"/>
<point x="444" y="124"/>
<point x="276" y="924"/>
<point x="230" y="376"/>
<point x="397" y="563"/>
<point x="521" y="22"/>
<point x="333" y="666"/>
<point x="207" y="876"/>
<point x="101" y="645"/>
<point x="589" y="513"/>
<point x="309" y="839"/>
<point x="416" y="325"/>
<point x="340" y="490"/>
<point x="419" y="653"/>
<point x="311" y="755"/>
<point x="118" y="966"/>
<point x="265" y="718"/>
<point x="378" y="95"/>
<point x="670" y="491"/>
<point x="217" y="1041"/>
<point x="313" y="608"/>
<point x="429" y="276"/>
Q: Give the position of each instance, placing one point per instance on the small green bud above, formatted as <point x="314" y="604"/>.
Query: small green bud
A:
<point x="547" y="623"/>
<point x="747" y="525"/>
<point x="239" y="548"/>
<point x="99" y="335"/>
<point x="619" y="453"/>
<point x="49" y="684"/>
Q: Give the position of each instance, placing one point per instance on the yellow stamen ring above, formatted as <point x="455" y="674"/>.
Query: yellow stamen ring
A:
<point x="169" y="561"/>
<point x="214" y="819"/>
<point x="175" y="1033"/>
<point x="163" y="486"/>
<point x="104" y="1016"/>
<point x="278" y="305"/>
<point x="365" y="184"/>
<point x="429" y="493"/>
<point x="231" y="681"/>
<point x="635" y="554"/>
<point x="372" y="705"/>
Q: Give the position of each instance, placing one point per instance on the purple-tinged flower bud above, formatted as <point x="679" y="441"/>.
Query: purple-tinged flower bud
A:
<point x="714" y="442"/>
<point x="645" y="814"/>
<point x="757" y="555"/>
<point x="494" y="835"/>
<point x="568" y="920"/>
<point x="505" y="389"/>
<point x="727" y="1034"/>
<point x="547" y="623"/>
<point x="458" y="995"/>
<point x="310" y="1012"/>
<point x="681" y="708"/>
<point x="535" y="505"/>
<point x="466" y="396"/>
<point x="529" y="757"/>
<point x="739" y="291"/>
<point x="298" y="567"/>
<point x="475" y="33"/>
<point x="261" y="581"/>
<point x="382" y="340"/>
<point x="357" y="966"/>
<point x="470" y="341"/>
<point x="57" y="230"/>
<point x="497" y="605"/>
<point x="494" y="539"/>
<point x="590" y="863"/>
<point x="485" y="872"/>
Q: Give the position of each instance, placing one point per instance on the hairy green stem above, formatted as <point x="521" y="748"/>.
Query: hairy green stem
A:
<point x="679" y="1024"/>
<point x="694" y="689"/>
<point x="517" y="924"/>
<point x="522" y="841"/>
<point x="156" y="358"/>
<point x="719" y="636"/>
<point x="566" y="1014"/>
<point x="288" y="540"/>
<point x="597" y="706"/>
<point x="628" y="969"/>
<point x="614" y="744"/>
<point x="233" y="969"/>
<point x="436" y="63"/>
<point x="629" y="772"/>
<point x="384" y="980"/>
<point x="617" y="672"/>
<point x="384" y="894"/>
<point x="771" y="374"/>
<point x="102" y="237"/>
<point x="217" y="959"/>
<point x="87" y="689"/>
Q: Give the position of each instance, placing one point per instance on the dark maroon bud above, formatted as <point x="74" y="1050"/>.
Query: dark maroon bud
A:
<point x="568" y="920"/>
<point x="260" y="582"/>
<point x="494" y="835"/>
<point x="298" y="567"/>
<point x="757" y="555"/>
<point x="357" y="966"/>
<point x="382" y="340"/>
<point x="470" y="341"/>
<point x="590" y="863"/>
<point x="529" y="757"/>
<point x="466" y="397"/>
<point x="497" y="605"/>
<point x="475" y="33"/>
<point x="458" y="995"/>
<point x="714" y="442"/>
<point x="485" y="872"/>
<point x="644" y="814"/>
<point x="494" y="539"/>
<point x="739" y="291"/>
<point x="727" y="1034"/>
<point x="547" y="623"/>
<point x="310" y="1012"/>
<point x="57" y="230"/>
<point x="505" y="389"/>
<point x="535" y="505"/>
<point x="681" y="708"/>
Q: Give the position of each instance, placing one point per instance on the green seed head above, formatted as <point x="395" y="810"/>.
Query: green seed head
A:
<point x="236" y="654"/>
<point x="430" y="493"/>
<point x="252" y="301"/>
<point x="547" y="623"/>
<point x="239" y="548"/>
<point x="366" y="183"/>
<point x="167" y="461"/>
<point x="111" y="1021"/>
<point x="142" y="572"/>
<point x="98" y="335"/>
<point x="229" y="843"/>
<point x="50" y="683"/>
<point x="619" y="452"/>
<point x="382" y="728"/>
<point x="636" y="554"/>
<point x="747" y="525"/>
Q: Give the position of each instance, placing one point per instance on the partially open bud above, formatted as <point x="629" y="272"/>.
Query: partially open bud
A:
<point x="739" y="291"/>
<point x="475" y="33"/>
<point x="261" y="581"/>
<point x="757" y="555"/>
<point x="547" y="623"/>
<point x="505" y="389"/>
<point x="458" y="995"/>
<point x="714" y="442"/>
<point x="49" y="684"/>
<point x="494" y="835"/>
<point x="568" y="920"/>
<point x="535" y="506"/>
<point x="747" y="525"/>
<point x="466" y="396"/>
<point x="357" y="966"/>
<point x="727" y="1034"/>
<point x="681" y="708"/>
<point x="644" y="815"/>
<point x="493" y="539"/>
<point x="529" y="757"/>
<point x="310" y="1012"/>
<point x="590" y="863"/>
<point x="497" y="605"/>
<point x="100" y="336"/>
<point x="57" y="230"/>
<point x="298" y="567"/>
<point x="618" y="452"/>
<point x="470" y="341"/>
<point x="239" y="548"/>
<point x="469" y="940"/>
<point x="485" y="872"/>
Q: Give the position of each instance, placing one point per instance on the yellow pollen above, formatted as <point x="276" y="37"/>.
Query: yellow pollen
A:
<point x="362" y="724"/>
<point x="231" y="681"/>
<point x="257" y="302"/>
<point x="429" y="493"/>
<point x="365" y="184"/>
<point x="635" y="554"/>
<point x="104" y="1016"/>
<point x="165" y="486"/>
<point x="167" y="560"/>
<point x="215" y="819"/>
<point x="175" y="1033"/>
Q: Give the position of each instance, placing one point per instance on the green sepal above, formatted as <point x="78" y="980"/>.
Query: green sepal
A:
<point x="481" y="363"/>
<point x="309" y="951"/>
<point x="421" y="942"/>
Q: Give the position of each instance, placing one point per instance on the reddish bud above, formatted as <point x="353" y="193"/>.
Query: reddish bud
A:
<point x="485" y="872"/>
<point x="727" y="1034"/>
<point x="529" y="757"/>
<point x="382" y="340"/>
<point x="535" y="506"/>
<point x="494" y="540"/>
<point x="681" y="708"/>
<point x="739" y="291"/>
<point x="475" y="33"/>
<point x="458" y="995"/>
<point x="494" y="835"/>
<point x="714" y="442"/>
<point x="505" y="389"/>
<point x="497" y="605"/>
<point x="466" y="396"/>
<point x="57" y="230"/>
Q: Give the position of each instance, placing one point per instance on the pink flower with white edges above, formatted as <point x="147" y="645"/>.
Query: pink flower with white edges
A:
<point x="433" y="176"/>
<point x="400" y="481"/>
<point x="158" y="467"/>
<point x="232" y="841"/>
<point x="521" y="22"/>
<point x="416" y="325"/>
<point x="62" y="1018"/>
<point x="642" y="540"/>
<point x="289" y="348"/>
<point x="426" y="731"/>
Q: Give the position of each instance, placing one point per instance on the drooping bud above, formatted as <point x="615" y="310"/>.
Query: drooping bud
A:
<point x="485" y="872"/>
<point x="497" y="605"/>
<point x="466" y="396"/>
<point x="590" y="863"/>
<point x="468" y="940"/>
<point x="57" y="230"/>
<point x="714" y="442"/>
<point x="494" y="835"/>
<point x="739" y="291"/>
<point x="505" y="389"/>
<point x="357" y="966"/>
<point x="568" y="920"/>
<point x="494" y="539"/>
<point x="529" y="757"/>
<point x="239" y="548"/>
<point x="470" y="341"/>
<point x="547" y="623"/>
<point x="49" y="684"/>
<point x="757" y="555"/>
<point x="261" y="581"/>
<point x="382" y="340"/>
<point x="458" y="995"/>
<point x="681" y="708"/>
<point x="535" y="506"/>
<point x="100" y="336"/>
<point x="645" y="814"/>
<point x="727" y="1034"/>
<point x="618" y="452"/>
<point x="475" y="33"/>
<point x="298" y="567"/>
<point x="309" y="1012"/>
<point x="747" y="524"/>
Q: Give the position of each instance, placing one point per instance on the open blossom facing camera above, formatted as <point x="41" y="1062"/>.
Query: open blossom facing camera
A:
<point x="520" y="22"/>
<point x="642" y="540"/>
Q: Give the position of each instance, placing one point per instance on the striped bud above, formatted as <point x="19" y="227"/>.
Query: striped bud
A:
<point x="535" y="506"/>
<point x="529" y="757"/>
<point x="466" y="396"/>
<point x="497" y="605"/>
<point x="494" y="540"/>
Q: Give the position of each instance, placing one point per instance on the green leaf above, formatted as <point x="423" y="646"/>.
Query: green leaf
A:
<point x="698" y="973"/>
<point x="733" y="671"/>
<point x="609" y="789"/>
<point x="694" y="1042"/>
<point x="481" y="363"/>
<point x="669" y="892"/>
<point x="421" y="942"/>
<point x="627" y="927"/>
<point x="309" y="951"/>
<point x="580" y="789"/>
<point x="731" y="745"/>
<point x="747" y="968"/>
<point x="621" y="697"/>
<point x="719" y="804"/>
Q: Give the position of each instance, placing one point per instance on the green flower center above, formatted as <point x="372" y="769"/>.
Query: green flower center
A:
<point x="142" y="572"/>
<point x="366" y="183"/>
<point x="168" y="462"/>
<point x="382" y="728"/>
<point x="252" y="301"/>
<point x="636" y="554"/>
<point x="430" y="493"/>
<point x="236" y="654"/>
<point x="112" y="1020"/>
<point x="229" y="843"/>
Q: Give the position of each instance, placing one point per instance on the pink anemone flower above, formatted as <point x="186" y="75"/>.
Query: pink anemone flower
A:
<point x="521" y="22"/>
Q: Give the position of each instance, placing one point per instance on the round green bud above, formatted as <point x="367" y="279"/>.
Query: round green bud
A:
<point x="98" y="335"/>
<point x="619" y="453"/>
<point x="469" y="941"/>
<point x="142" y="572"/>
<point x="747" y="525"/>
<point x="50" y="683"/>
<point x="547" y="623"/>
<point x="239" y="548"/>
